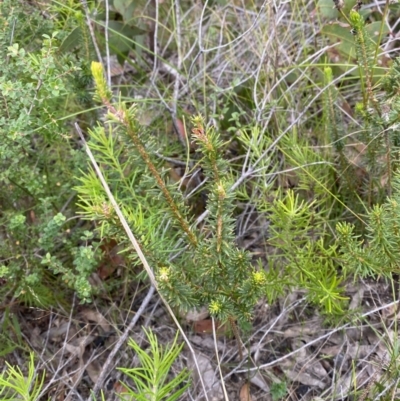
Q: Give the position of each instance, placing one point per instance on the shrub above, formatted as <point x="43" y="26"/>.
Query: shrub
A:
<point x="41" y="240"/>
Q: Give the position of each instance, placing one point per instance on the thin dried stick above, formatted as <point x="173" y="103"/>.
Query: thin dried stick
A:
<point x="345" y="326"/>
<point x="218" y="360"/>
<point x="60" y="366"/>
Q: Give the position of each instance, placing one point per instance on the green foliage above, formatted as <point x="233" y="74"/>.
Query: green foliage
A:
<point x="153" y="379"/>
<point x="330" y="184"/>
<point x="14" y="384"/>
<point x="189" y="274"/>
<point x="371" y="252"/>
<point x="37" y="161"/>
<point x="379" y="253"/>
<point x="328" y="218"/>
<point x="377" y="129"/>
<point x="294" y="226"/>
<point x="196" y="267"/>
<point x="278" y="391"/>
<point x="189" y="260"/>
<point x="151" y="203"/>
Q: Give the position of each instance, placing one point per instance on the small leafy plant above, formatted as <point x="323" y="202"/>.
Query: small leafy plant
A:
<point x="153" y="380"/>
<point x="15" y="385"/>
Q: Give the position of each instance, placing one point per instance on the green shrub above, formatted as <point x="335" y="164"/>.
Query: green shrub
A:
<point x="41" y="244"/>
<point x="161" y="219"/>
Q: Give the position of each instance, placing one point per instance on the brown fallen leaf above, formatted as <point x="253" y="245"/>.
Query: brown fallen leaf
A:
<point x="244" y="394"/>
<point x="93" y="369"/>
<point x="120" y="390"/>
<point x="95" y="316"/>
<point x="111" y="259"/>
<point x="205" y="327"/>
<point x="208" y="373"/>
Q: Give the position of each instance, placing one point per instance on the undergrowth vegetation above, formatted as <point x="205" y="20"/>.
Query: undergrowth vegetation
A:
<point x="42" y="243"/>
<point x="239" y="152"/>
